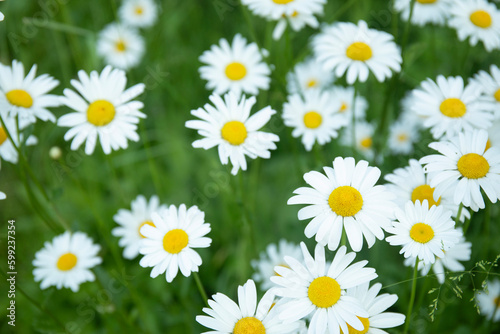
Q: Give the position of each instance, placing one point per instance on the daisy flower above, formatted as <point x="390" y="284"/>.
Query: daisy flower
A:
<point x="489" y="300"/>
<point x="297" y="21"/>
<point x="105" y="111"/>
<point x="131" y="221"/>
<point x="425" y="11"/>
<point x="2" y="196"/>
<point x="276" y="9"/>
<point x="312" y="287"/>
<point x="138" y="13"/>
<point x="463" y="167"/>
<point x="272" y="257"/>
<point x="7" y="150"/>
<point x="308" y="75"/>
<point x="375" y="306"/>
<point x="363" y="136"/>
<point x="168" y="243"/>
<point x="2" y="16"/>
<point x="313" y="117"/>
<point x="424" y="233"/>
<point x="346" y="197"/>
<point x="343" y="101"/>
<point x="449" y="107"/>
<point x="66" y="261"/>
<point x="489" y="84"/>
<point x="402" y="135"/>
<point x="477" y="19"/>
<point x="26" y="97"/>
<point x="120" y="45"/>
<point x="236" y="68"/>
<point x="228" y="125"/>
<point x="345" y="47"/>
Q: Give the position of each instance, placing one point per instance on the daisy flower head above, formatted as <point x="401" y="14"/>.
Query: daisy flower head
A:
<point x="345" y="47"/>
<point x="138" y="13"/>
<point x="425" y="11"/>
<point x="489" y="300"/>
<point x="2" y="196"/>
<point x="168" y="243"/>
<point x="306" y="75"/>
<point x="104" y="110"/>
<point x="363" y="137"/>
<point x="277" y="9"/>
<point x="477" y="19"/>
<point x="489" y="84"/>
<point x="228" y="125"/>
<point x="344" y="102"/>
<point x="402" y="136"/>
<point x="121" y="46"/>
<point x="463" y="168"/>
<point x="66" y="261"/>
<point x="237" y="68"/>
<point x="313" y="117"/>
<point x="422" y="231"/>
<point x="449" y="107"/>
<point x="346" y="197"/>
<point x="312" y="287"/>
<point x="26" y="96"/>
<point x="297" y="21"/>
<point x="131" y="222"/>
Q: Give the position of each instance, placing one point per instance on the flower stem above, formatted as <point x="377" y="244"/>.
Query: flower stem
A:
<point x="459" y="213"/>
<point x="201" y="289"/>
<point x="412" y="297"/>
<point x="353" y="120"/>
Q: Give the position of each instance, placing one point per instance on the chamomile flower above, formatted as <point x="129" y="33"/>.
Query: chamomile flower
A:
<point x="363" y="138"/>
<point x="477" y="19"/>
<point x="345" y="47"/>
<point x="66" y="261"/>
<point x="297" y="21"/>
<point x="7" y="150"/>
<point x="489" y="84"/>
<point x="131" y="221"/>
<point x="26" y="97"/>
<point x="425" y="11"/>
<point x="489" y="300"/>
<point x="402" y="136"/>
<point x="313" y="117"/>
<point x="121" y="46"/>
<point x="2" y="196"/>
<point x="449" y="107"/>
<point x="424" y="233"/>
<point x="276" y="9"/>
<point x="168" y="243"/>
<point x="272" y="257"/>
<point x="2" y="16"/>
<point x="236" y="68"/>
<point x="463" y="168"/>
<point x="308" y="75"/>
<point x="312" y="287"/>
<point x="228" y="125"/>
<point x="138" y="13"/>
<point x="104" y="110"/>
<point x="346" y="197"/>
<point x="343" y="101"/>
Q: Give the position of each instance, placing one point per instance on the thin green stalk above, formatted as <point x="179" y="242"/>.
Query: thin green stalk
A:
<point x="406" y="33"/>
<point x="57" y="26"/>
<point x="201" y="289"/>
<point x="248" y="20"/>
<point x="353" y="120"/>
<point x="243" y="201"/>
<point x="467" y="224"/>
<point x="412" y="297"/>
<point x="151" y="163"/>
<point x="459" y="213"/>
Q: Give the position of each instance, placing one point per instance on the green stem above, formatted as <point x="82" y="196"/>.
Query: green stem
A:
<point x="353" y="120"/>
<point x="151" y="163"/>
<point x="412" y="297"/>
<point x="466" y="225"/>
<point x="459" y="213"/>
<point x="201" y="289"/>
<point x="406" y="33"/>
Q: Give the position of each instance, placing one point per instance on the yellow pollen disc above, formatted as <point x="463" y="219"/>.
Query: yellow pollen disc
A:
<point x="497" y="95"/>
<point x="343" y="107"/>
<point x="234" y="132"/>
<point x="175" y="241"/>
<point x="473" y="166"/>
<point x="19" y="98"/>
<point x="3" y="136"/>
<point x="345" y="201"/>
<point x="281" y="265"/>
<point x="481" y="19"/>
<point x="120" y="46"/>
<point x="138" y="10"/>
<point x="324" y="291"/>
<point x="249" y="325"/>
<point x="282" y="2"/>
<point x="425" y="2"/>
<point x="366" y="143"/>
<point x="366" y="327"/>
<point x="100" y="112"/>
<point x="359" y="51"/>
<point x="488" y="145"/>
<point x="403" y="137"/>
<point x="424" y="192"/>
<point x="314" y="83"/>
<point x="66" y="262"/>
<point x="312" y="119"/>
<point x="422" y="233"/>
<point x="453" y="108"/>
<point x="236" y="71"/>
<point x="147" y="222"/>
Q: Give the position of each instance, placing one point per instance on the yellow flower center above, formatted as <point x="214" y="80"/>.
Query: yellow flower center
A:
<point x="236" y="71"/>
<point x="249" y="325"/>
<point x="312" y="119"/>
<point x="120" y="46"/>
<point x="66" y="262"/>
<point x="402" y="137"/>
<point x="366" y="327"/>
<point x="497" y="95"/>
<point x="324" y="291"/>
<point x="234" y="132"/>
<point x="424" y="192"/>
<point x="313" y="83"/>
<point x="359" y="51"/>
<point x="282" y="2"/>
<point x="343" y="107"/>
<point x="19" y="98"/>
<point x="366" y="143"/>
<point x="453" y="108"/>
<point x="3" y="136"/>
<point x="175" y="241"/>
<point x="147" y="222"/>
<point x="481" y="19"/>
<point x="138" y="10"/>
<point x="426" y="1"/>
<point x="345" y="201"/>
<point x="100" y="112"/>
<point x="422" y="233"/>
<point x="473" y="166"/>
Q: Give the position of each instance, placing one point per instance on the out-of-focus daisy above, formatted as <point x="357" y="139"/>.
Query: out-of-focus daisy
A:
<point x="276" y="9"/>
<point x="168" y="243"/>
<point x="494" y="134"/>
<point x="489" y="300"/>
<point x="477" y="19"/>
<point x="297" y="21"/>
<point x="449" y="107"/>
<point x="66" y="261"/>
<point x="228" y="125"/>
<point x="1" y="16"/>
<point x="131" y="221"/>
<point x="26" y="97"/>
<point x="7" y="150"/>
<point x="138" y="13"/>
<point x="120" y="45"/>
<point x="272" y="257"/>
<point x="237" y="68"/>
<point x="346" y="197"/>
<point x="363" y="137"/>
<point x="375" y="306"/>
<point x="313" y="287"/>
<point x="424" y="233"/>
<point x="489" y="84"/>
<point x="343" y="101"/>
<point x="308" y="75"/>
<point x="407" y="112"/>
<point x="356" y="49"/>
<point x="105" y="111"/>
<point x="313" y="117"/>
<point x="2" y="195"/>
<point x="425" y="11"/>
<point x="463" y="167"/>
<point x="402" y="135"/>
